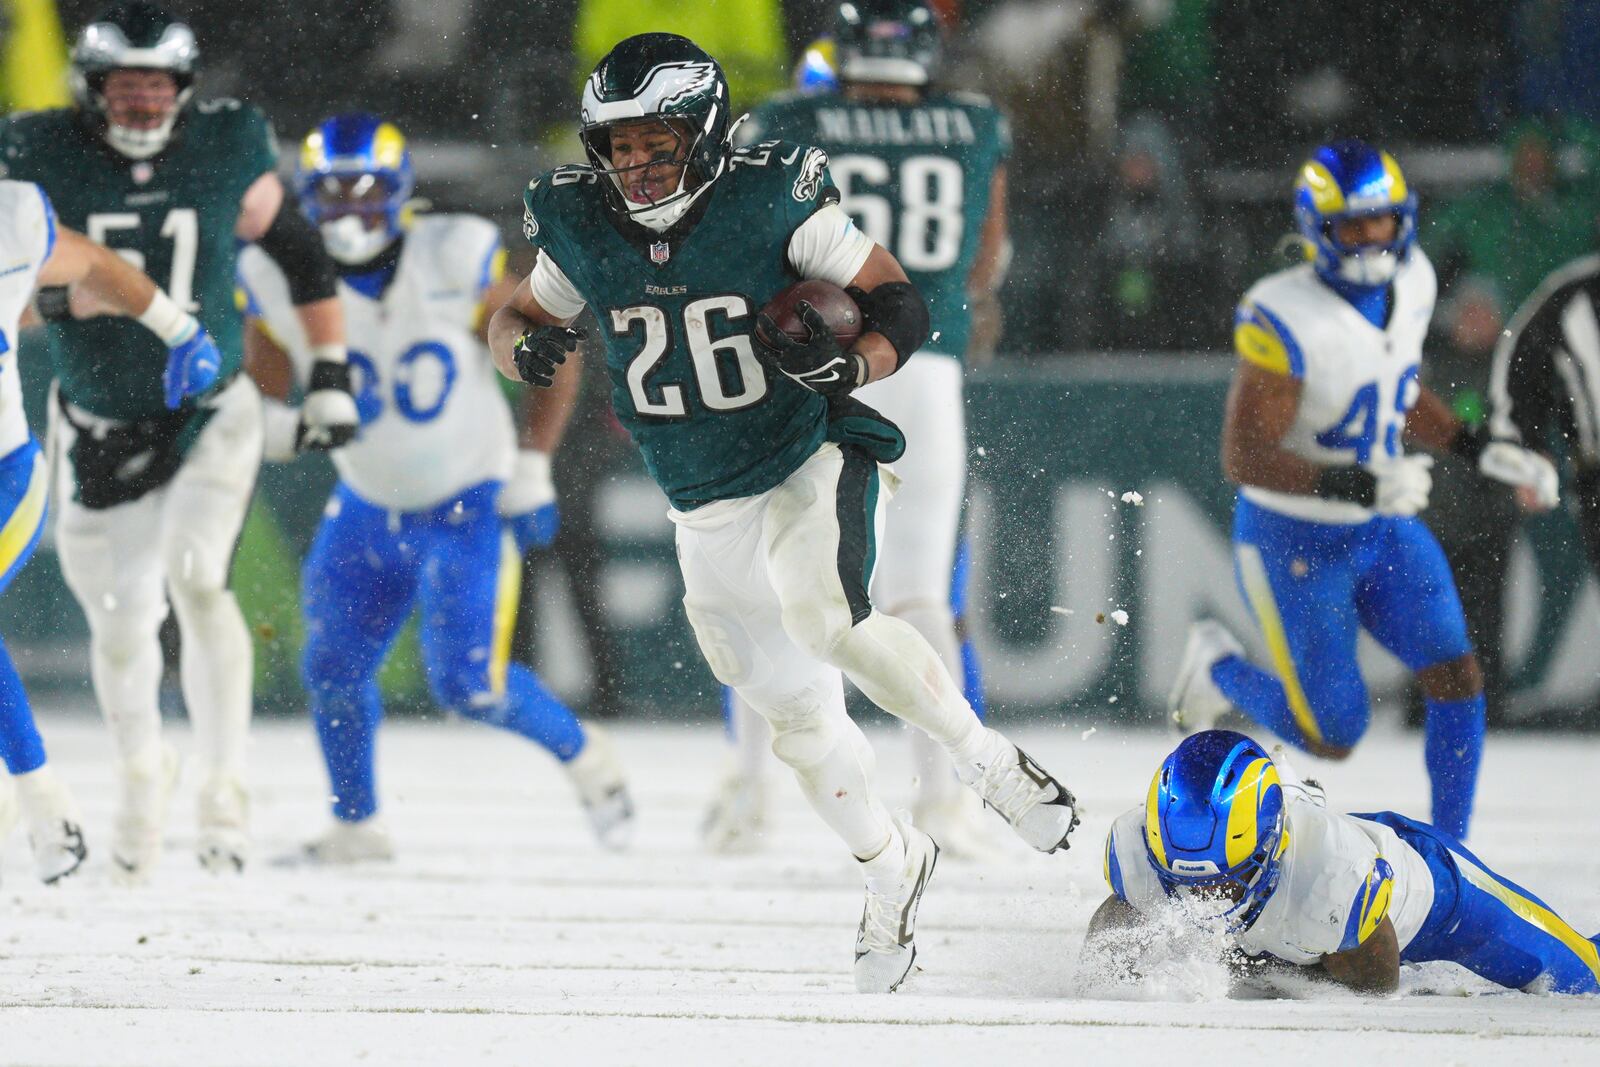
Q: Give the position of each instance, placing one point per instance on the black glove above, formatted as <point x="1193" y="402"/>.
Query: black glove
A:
<point x="818" y="363"/>
<point x="541" y="350"/>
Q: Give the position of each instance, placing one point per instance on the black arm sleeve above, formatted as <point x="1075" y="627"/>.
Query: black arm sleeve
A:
<point x="897" y="311"/>
<point x="296" y="247"/>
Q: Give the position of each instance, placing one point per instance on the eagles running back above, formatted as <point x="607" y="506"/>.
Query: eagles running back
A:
<point x="921" y="172"/>
<point x="710" y="419"/>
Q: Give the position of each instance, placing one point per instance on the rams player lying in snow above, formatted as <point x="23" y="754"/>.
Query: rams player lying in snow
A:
<point x="1224" y="838"/>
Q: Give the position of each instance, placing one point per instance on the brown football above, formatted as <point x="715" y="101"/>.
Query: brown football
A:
<point x="838" y="309"/>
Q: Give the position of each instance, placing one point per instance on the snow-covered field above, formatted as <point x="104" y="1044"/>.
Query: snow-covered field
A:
<point x="502" y="935"/>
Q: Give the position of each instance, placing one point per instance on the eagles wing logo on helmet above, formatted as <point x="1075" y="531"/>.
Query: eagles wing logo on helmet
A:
<point x="810" y="180"/>
<point x="658" y="93"/>
<point x="689" y="79"/>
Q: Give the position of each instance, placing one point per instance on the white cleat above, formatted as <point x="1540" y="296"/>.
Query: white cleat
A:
<point x="886" y="940"/>
<point x="222" y="843"/>
<point x="602" y="789"/>
<point x="1308" y="788"/>
<point x="957" y="822"/>
<point x="54" y="828"/>
<point x="366" y="841"/>
<point x="1039" y="808"/>
<point x="737" y="818"/>
<point x="136" y="837"/>
<point x="1195" y="702"/>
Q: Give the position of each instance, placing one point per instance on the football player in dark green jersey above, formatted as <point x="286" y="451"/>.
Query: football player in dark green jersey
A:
<point x="152" y="500"/>
<point x="775" y="474"/>
<point x="923" y="173"/>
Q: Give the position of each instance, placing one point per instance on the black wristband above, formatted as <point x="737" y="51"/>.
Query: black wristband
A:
<point x="1470" y="442"/>
<point x="326" y="374"/>
<point x="53" y="303"/>
<point x="897" y="311"/>
<point x="1348" y="483"/>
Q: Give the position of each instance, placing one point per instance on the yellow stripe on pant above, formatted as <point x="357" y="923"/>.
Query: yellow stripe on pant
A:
<point x="19" y="530"/>
<point x="508" y="593"/>
<point x="1531" y="911"/>
<point x="1258" y="590"/>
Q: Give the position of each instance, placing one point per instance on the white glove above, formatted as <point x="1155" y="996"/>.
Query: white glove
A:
<point x="1403" y="484"/>
<point x="1506" y="461"/>
<point x="328" y="415"/>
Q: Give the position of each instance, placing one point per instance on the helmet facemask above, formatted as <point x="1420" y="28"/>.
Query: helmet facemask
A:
<point x="358" y="215"/>
<point x="1366" y="264"/>
<point x="1235" y="896"/>
<point x="647" y="190"/>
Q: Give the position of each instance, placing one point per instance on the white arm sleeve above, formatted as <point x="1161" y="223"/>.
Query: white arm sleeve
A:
<point x="829" y="247"/>
<point x="555" y="293"/>
<point x="31" y="229"/>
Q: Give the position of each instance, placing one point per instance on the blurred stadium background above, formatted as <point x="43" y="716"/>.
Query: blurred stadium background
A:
<point x="1155" y="143"/>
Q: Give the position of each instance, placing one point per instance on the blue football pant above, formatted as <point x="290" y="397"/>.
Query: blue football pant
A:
<point x="1311" y="588"/>
<point x="24" y="490"/>
<point x="368" y="567"/>
<point x="1491" y="925"/>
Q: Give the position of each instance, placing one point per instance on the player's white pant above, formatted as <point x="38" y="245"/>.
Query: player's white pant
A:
<point x="775" y="588"/>
<point x="122" y="563"/>
<point x="922" y="524"/>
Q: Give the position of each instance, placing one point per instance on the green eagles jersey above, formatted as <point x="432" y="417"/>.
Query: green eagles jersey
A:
<point x="915" y="177"/>
<point x="173" y="216"/>
<point x="676" y="310"/>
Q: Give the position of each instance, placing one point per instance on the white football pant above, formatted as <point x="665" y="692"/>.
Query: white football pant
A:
<point x="922" y="526"/>
<point x="775" y="589"/>
<point x="124" y="563"/>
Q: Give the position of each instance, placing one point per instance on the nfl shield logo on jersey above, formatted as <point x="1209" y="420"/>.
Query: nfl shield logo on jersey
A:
<point x="660" y="252"/>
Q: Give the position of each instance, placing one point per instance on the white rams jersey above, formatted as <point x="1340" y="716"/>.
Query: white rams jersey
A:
<point x="1357" y="381"/>
<point x="27" y="234"/>
<point x="433" y="419"/>
<point x="1340" y="877"/>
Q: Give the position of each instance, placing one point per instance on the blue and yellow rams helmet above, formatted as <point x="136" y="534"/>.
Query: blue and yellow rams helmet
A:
<point x="817" y="73"/>
<point x="1214" y="824"/>
<point x="356" y="165"/>
<point x="1351" y="179"/>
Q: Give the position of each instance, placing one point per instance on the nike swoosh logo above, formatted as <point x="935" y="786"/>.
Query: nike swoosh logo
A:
<point x="792" y="157"/>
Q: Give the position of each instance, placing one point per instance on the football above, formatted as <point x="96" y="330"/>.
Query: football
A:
<point x="838" y="309"/>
